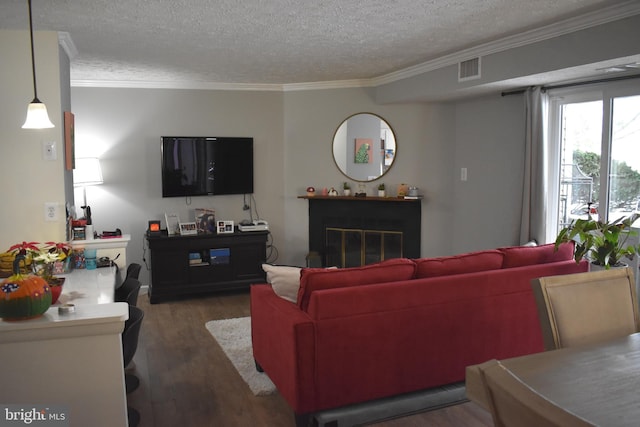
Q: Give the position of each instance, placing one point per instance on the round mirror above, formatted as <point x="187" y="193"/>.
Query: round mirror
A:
<point x="364" y="147"/>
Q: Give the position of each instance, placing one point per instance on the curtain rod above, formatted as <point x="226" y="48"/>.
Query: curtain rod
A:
<point x="565" y="85"/>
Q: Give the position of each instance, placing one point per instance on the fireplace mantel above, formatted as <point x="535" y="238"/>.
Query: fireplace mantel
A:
<point x="364" y="213"/>
<point x="364" y="199"/>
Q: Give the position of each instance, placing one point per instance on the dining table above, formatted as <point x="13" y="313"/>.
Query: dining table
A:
<point x="598" y="382"/>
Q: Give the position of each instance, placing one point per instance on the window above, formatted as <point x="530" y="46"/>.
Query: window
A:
<point x="595" y="145"/>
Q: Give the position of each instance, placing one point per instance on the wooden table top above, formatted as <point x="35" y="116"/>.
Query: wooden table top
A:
<point x="599" y="383"/>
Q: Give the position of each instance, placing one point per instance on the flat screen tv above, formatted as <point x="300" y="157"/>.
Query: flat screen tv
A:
<point x="201" y="166"/>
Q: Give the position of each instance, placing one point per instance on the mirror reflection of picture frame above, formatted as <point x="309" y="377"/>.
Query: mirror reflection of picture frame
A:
<point x="363" y="149"/>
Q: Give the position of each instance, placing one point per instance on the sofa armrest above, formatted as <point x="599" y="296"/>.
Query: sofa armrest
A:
<point x="283" y="340"/>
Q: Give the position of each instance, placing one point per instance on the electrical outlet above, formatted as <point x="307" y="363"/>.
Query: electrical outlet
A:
<point x="51" y="211"/>
<point x="463" y="174"/>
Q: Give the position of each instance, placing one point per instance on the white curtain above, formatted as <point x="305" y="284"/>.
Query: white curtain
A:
<point x="533" y="225"/>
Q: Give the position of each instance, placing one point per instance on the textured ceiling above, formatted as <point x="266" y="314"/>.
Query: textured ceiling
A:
<point x="276" y="41"/>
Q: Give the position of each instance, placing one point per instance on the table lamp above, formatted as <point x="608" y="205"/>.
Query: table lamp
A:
<point x="87" y="172"/>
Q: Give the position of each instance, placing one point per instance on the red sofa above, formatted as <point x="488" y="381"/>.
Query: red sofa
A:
<point x="359" y="334"/>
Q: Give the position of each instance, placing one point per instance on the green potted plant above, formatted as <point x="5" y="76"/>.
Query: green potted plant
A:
<point x="604" y="244"/>
<point x="381" y="190"/>
<point x="346" y="189"/>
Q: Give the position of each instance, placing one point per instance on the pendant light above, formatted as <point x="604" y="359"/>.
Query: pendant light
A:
<point x="37" y="116"/>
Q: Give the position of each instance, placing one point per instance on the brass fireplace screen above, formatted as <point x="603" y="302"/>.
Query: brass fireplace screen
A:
<point x="349" y="247"/>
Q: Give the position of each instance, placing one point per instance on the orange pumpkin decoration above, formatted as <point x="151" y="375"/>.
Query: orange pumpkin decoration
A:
<point x="23" y="296"/>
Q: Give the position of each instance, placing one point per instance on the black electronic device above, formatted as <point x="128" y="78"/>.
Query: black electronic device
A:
<point x="200" y="166"/>
<point x="116" y="233"/>
<point x="104" y="262"/>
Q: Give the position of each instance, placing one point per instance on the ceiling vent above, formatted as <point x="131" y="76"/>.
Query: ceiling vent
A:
<point x="469" y="70"/>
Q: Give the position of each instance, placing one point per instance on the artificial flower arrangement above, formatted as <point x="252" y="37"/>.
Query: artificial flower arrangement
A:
<point x="46" y="259"/>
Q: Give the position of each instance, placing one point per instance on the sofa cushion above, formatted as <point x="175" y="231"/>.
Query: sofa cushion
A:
<point x="459" y="264"/>
<point x="284" y="280"/>
<point x="519" y="256"/>
<point x="314" y="279"/>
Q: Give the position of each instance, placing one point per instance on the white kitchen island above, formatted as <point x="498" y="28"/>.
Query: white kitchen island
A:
<point x="71" y="361"/>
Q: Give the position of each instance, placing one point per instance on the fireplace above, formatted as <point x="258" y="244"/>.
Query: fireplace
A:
<point x="354" y="231"/>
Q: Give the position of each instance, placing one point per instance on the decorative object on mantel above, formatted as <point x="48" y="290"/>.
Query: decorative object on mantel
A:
<point x="23" y="296"/>
<point x="381" y="191"/>
<point x="362" y="190"/>
<point x="604" y="244"/>
<point x="403" y="190"/>
<point x="333" y="192"/>
<point x="311" y="191"/>
<point x="346" y="189"/>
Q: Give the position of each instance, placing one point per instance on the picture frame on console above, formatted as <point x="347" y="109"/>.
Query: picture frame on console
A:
<point x="225" y="227"/>
<point x="205" y="220"/>
<point x="173" y="223"/>
<point x="188" y="229"/>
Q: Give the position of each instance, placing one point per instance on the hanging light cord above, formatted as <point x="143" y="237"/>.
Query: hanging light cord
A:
<point x="33" y="59"/>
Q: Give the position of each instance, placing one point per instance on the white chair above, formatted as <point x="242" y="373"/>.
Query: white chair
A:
<point x="585" y="308"/>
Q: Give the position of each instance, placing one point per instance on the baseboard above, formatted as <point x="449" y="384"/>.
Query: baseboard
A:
<point x="392" y="407"/>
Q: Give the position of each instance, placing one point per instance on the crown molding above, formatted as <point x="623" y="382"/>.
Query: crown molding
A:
<point x="67" y="44"/>
<point x="176" y="85"/>
<point x="334" y="84"/>
<point x="567" y="26"/>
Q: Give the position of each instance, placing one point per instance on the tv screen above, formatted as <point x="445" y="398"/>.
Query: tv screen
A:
<point x="200" y="166"/>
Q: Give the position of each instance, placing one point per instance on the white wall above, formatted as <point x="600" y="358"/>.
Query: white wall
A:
<point x="489" y="142"/>
<point x="29" y="181"/>
<point x="293" y="134"/>
<point x="425" y="157"/>
<point x="123" y="128"/>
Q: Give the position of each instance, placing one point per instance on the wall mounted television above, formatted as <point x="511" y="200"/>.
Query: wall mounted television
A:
<point x="201" y="166"/>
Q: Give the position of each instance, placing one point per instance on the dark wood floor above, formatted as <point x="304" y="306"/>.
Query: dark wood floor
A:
<point x="186" y="380"/>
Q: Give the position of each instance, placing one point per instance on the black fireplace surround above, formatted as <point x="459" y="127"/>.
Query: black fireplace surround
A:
<point x="364" y="213"/>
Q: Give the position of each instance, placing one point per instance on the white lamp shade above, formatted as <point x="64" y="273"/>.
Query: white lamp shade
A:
<point x="37" y="117"/>
<point x="87" y="172"/>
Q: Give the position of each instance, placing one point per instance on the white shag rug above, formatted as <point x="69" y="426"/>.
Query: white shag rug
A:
<point x="234" y="336"/>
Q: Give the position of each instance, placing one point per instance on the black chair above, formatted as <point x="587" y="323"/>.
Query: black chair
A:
<point x="133" y="270"/>
<point x="130" y="336"/>
<point x="128" y="292"/>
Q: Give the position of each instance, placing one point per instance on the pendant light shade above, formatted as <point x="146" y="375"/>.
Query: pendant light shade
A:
<point x="37" y="116"/>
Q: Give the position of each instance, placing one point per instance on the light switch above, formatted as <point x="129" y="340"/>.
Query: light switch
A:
<point x="51" y="211"/>
<point x="463" y="174"/>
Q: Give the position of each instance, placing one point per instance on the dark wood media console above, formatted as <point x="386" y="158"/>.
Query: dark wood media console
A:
<point x="188" y="265"/>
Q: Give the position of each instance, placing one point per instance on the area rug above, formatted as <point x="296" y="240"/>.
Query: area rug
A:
<point x="234" y="336"/>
